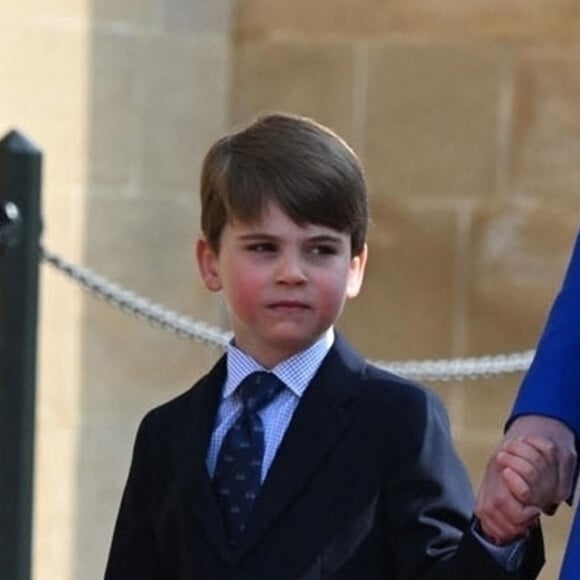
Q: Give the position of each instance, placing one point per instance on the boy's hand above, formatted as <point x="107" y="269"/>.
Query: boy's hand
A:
<point x="514" y="470"/>
<point x="515" y="487"/>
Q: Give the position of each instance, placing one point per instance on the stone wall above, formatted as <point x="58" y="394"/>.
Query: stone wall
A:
<point x="465" y="115"/>
<point x="467" y="119"/>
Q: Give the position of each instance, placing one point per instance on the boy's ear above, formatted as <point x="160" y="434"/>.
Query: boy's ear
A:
<point x="208" y="264"/>
<point x="356" y="273"/>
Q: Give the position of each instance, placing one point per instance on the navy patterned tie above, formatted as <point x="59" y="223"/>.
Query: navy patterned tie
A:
<point x="237" y="477"/>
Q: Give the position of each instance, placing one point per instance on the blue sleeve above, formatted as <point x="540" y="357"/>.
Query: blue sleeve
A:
<point x="509" y="557"/>
<point x="551" y="386"/>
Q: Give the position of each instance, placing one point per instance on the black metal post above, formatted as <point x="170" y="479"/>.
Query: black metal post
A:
<point x="20" y="227"/>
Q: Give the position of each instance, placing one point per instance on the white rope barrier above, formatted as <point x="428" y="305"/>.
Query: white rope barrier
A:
<point x="172" y="321"/>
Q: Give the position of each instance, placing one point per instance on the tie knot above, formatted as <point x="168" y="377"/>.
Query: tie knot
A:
<point x="258" y="389"/>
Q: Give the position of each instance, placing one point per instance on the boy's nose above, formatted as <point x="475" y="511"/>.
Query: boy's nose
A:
<point x="290" y="270"/>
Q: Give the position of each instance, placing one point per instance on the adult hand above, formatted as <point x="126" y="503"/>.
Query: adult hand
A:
<point x="529" y="468"/>
<point x="561" y="458"/>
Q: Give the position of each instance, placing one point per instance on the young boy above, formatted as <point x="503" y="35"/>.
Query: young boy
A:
<point x="293" y="458"/>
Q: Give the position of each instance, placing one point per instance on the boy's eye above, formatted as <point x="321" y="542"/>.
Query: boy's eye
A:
<point x="324" y="250"/>
<point x="262" y="247"/>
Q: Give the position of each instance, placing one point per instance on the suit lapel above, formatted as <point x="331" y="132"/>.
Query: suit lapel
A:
<point x="320" y="420"/>
<point x="196" y="489"/>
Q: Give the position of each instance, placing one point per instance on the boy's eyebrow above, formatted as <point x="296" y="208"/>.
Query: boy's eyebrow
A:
<point x="327" y="238"/>
<point x="320" y="238"/>
<point x="256" y="236"/>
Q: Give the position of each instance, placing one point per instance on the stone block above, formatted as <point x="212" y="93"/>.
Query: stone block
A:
<point x="511" y="21"/>
<point x="45" y="96"/>
<point x="115" y="109"/>
<point x="311" y="20"/>
<point x="535" y="21"/>
<point x="183" y="111"/>
<point x="187" y="17"/>
<point x="474" y="455"/>
<point x="134" y="14"/>
<point x="406" y="307"/>
<point x="486" y="406"/>
<point x="36" y="14"/>
<point x="546" y="144"/>
<point x="517" y="261"/>
<point x="432" y="125"/>
<point x="146" y="245"/>
<point x="316" y="81"/>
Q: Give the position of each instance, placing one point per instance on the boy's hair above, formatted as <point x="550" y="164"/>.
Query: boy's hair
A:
<point x="300" y="165"/>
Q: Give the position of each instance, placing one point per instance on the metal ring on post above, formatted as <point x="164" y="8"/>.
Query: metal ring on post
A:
<point x="10" y="224"/>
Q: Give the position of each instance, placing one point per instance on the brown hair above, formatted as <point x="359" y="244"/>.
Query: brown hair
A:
<point x="302" y="166"/>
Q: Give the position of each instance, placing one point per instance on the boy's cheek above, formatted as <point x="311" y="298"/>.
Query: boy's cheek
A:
<point x="330" y="302"/>
<point x="243" y="293"/>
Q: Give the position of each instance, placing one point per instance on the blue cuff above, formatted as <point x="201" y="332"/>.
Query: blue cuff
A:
<point x="509" y="557"/>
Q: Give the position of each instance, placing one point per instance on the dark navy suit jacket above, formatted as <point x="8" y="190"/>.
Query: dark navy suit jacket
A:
<point x="365" y="485"/>
<point x="552" y="384"/>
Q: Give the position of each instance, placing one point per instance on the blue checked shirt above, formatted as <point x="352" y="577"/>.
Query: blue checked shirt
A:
<point x="295" y="372"/>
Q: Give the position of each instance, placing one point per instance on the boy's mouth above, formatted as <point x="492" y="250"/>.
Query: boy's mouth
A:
<point x="289" y="305"/>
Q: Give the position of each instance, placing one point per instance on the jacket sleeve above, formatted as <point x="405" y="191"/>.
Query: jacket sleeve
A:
<point x="431" y="510"/>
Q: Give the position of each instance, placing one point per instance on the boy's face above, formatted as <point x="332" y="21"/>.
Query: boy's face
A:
<point x="284" y="284"/>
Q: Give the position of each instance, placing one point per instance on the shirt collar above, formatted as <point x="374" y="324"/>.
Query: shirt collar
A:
<point x="295" y="372"/>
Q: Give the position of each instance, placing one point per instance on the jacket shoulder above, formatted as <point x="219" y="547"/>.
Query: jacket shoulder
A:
<point x="205" y="388"/>
<point x="395" y="389"/>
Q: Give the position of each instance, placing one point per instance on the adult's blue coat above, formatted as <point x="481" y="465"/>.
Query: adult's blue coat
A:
<point x="551" y="386"/>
